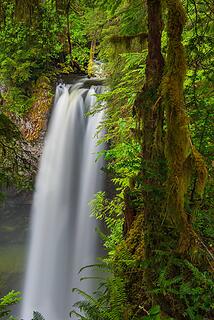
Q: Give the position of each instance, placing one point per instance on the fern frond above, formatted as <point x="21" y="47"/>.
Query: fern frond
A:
<point x="97" y="265"/>
<point x="84" y="294"/>
<point x="91" y="278"/>
<point x="75" y="313"/>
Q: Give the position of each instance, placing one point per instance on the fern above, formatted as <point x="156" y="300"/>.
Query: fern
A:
<point x="107" y="303"/>
<point x="7" y="301"/>
<point x="194" y="288"/>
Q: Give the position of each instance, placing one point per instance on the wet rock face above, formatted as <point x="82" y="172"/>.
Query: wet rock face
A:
<point x="22" y="137"/>
<point x="35" y="122"/>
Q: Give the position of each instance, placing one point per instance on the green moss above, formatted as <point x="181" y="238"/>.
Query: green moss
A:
<point x="135" y="239"/>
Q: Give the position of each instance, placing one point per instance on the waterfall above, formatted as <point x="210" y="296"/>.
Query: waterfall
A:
<point x="63" y="237"/>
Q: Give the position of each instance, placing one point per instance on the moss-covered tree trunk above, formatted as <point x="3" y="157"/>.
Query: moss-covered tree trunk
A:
<point x="152" y="117"/>
<point x="143" y="235"/>
<point x="181" y="156"/>
<point x="151" y="114"/>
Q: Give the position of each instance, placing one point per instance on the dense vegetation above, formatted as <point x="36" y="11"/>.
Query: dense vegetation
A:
<point x="158" y="66"/>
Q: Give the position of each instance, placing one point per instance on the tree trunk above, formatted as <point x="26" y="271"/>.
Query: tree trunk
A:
<point x="152" y="119"/>
<point x="149" y="110"/>
<point x="69" y="33"/>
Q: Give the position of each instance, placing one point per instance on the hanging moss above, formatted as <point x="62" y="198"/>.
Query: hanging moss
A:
<point x="128" y="38"/>
<point x="130" y="43"/>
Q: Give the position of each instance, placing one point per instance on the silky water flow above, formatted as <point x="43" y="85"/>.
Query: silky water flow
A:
<point x="63" y="237"/>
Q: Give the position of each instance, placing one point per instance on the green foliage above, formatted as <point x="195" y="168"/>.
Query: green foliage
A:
<point x="194" y="288"/>
<point x="41" y="47"/>
<point x="154" y="314"/>
<point x="199" y="90"/>
<point x="9" y="300"/>
<point x="111" y="212"/>
<point x="34" y="43"/>
<point x="123" y="161"/>
<point x="123" y="157"/>
<point x="198" y="41"/>
<point x="6" y="302"/>
<point x="26" y="53"/>
<point x="80" y="51"/>
<point x="185" y="285"/>
<point x="132" y="17"/>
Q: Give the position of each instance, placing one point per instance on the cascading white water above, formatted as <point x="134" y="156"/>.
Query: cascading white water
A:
<point x="63" y="237"/>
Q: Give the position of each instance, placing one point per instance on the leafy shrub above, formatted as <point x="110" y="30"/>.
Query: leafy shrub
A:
<point x="6" y="302"/>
